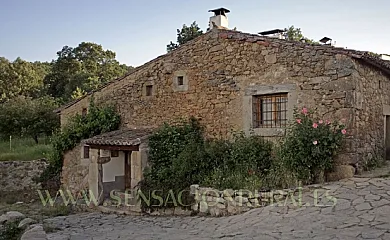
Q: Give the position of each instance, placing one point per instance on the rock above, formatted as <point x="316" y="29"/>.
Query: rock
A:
<point x="241" y="200"/>
<point x="203" y="207"/>
<point x="270" y="58"/>
<point x="3" y="218"/>
<point x="229" y="193"/>
<point x="35" y="233"/>
<point x="341" y="172"/>
<point x="194" y="189"/>
<point x="25" y="223"/>
<point x="11" y="217"/>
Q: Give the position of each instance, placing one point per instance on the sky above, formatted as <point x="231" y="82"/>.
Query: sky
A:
<point x="138" y="31"/>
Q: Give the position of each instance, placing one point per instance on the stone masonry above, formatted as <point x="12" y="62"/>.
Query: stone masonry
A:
<point x="18" y="176"/>
<point x="223" y="69"/>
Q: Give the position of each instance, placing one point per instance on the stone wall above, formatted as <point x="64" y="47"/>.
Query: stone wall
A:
<point x="216" y="203"/>
<point x="372" y="94"/>
<point x="18" y="176"/>
<point x="75" y="170"/>
<point x="222" y="70"/>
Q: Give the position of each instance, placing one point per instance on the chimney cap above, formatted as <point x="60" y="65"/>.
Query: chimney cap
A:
<point x="220" y="11"/>
<point x="272" y="32"/>
<point x="325" y="40"/>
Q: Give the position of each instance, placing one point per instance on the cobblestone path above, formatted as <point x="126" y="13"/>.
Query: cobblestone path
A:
<point x="362" y="211"/>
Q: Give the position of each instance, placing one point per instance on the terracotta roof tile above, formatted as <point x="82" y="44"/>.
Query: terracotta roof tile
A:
<point x="123" y="137"/>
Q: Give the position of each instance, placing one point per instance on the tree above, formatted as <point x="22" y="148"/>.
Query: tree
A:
<point x="24" y="116"/>
<point x="82" y="69"/>
<point x="184" y="35"/>
<point x="295" y="34"/>
<point x="21" y="78"/>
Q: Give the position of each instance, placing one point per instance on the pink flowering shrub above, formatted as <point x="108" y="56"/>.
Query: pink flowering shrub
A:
<point x="311" y="145"/>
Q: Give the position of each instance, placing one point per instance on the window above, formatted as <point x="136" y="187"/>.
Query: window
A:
<point x="180" y="80"/>
<point x="149" y="90"/>
<point x="114" y="153"/>
<point x="86" y="151"/>
<point x="84" y="112"/>
<point x="270" y="111"/>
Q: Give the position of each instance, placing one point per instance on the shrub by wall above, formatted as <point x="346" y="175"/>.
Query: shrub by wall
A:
<point x="311" y="145"/>
<point x="98" y="120"/>
<point x="180" y="156"/>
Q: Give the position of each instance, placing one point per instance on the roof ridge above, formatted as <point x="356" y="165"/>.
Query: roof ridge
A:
<point x="133" y="70"/>
<point x="253" y="38"/>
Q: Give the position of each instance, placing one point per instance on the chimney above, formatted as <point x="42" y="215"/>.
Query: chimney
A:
<point x="219" y="19"/>
<point x="326" y="41"/>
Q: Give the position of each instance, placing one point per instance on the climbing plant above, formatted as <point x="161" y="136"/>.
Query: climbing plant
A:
<point x="99" y="119"/>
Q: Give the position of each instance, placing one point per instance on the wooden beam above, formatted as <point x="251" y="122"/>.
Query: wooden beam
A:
<point x="115" y="148"/>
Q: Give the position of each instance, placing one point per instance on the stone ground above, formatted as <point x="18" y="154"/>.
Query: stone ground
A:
<point x="362" y="211"/>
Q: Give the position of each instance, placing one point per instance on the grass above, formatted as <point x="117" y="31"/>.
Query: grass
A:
<point x="22" y="149"/>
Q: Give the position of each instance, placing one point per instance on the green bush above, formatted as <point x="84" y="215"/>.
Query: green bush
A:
<point x="98" y="120"/>
<point x="310" y="146"/>
<point x="10" y="231"/>
<point x="181" y="156"/>
<point x="22" y="117"/>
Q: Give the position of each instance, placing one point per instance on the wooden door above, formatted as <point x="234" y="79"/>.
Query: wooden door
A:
<point x="127" y="170"/>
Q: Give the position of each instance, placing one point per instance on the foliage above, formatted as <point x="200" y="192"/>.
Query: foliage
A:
<point x="185" y="34"/>
<point x="374" y="159"/>
<point x="168" y="148"/>
<point x="23" y="149"/>
<point x="10" y="231"/>
<point x="310" y="146"/>
<point x="86" y="67"/>
<point x="28" y="117"/>
<point x="98" y="120"/>
<point x="295" y="34"/>
<point x="21" y="78"/>
<point x="180" y="156"/>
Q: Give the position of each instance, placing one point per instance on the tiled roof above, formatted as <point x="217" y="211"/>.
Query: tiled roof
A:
<point x="123" y="137"/>
<point x="367" y="57"/>
<point x="255" y="38"/>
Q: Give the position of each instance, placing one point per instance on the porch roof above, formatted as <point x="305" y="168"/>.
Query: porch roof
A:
<point x="123" y="137"/>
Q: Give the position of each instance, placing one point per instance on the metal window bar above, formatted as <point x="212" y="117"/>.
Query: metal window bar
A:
<point x="270" y="111"/>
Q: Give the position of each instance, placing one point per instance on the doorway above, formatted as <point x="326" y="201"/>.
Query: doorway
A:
<point x="127" y="170"/>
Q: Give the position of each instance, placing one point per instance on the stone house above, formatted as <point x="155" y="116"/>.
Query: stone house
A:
<point x="232" y="81"/>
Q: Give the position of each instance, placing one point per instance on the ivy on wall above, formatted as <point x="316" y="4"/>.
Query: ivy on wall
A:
<point x="99" y="119"/>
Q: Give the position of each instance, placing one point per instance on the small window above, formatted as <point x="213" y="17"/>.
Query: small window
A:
<point x="149" y="90"/>
<point x="114" y="153"/>
<point x="86" y="151"/>
<point x="180" y="80"/>
<point x="270" y="111"/>
<point x="84" y="112"/>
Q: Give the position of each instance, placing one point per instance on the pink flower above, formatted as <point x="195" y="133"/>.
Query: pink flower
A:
<point x="343" y="131"/>
<point x="299" y="120"/>
<point x="320" y="122"/>
<point x="304" y="111"/>
<point x="315" y="125"/>
<point x="327" y="122"/>
<point x="315" y="142"/>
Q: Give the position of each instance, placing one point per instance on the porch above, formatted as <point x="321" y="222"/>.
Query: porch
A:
<point x="117" y="161"/>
